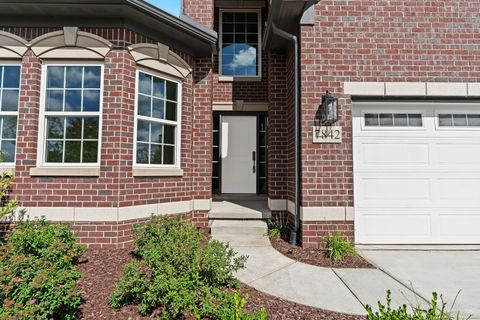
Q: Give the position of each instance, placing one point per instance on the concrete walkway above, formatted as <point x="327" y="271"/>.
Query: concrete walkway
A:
<point x="341" y="290"/>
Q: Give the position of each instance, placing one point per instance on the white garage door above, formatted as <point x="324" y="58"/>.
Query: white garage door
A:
<point x="416" y="173"/>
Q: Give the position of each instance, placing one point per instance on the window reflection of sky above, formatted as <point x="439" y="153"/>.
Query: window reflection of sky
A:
<point x="239" y="59"/>
<point x="239" y="44"/>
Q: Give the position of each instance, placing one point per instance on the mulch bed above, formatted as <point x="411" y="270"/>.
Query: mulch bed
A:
<point x="101" y="269"/>
<point x="316" y="257"/>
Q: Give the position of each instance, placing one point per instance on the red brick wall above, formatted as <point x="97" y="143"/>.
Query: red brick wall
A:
<point x="277" y="130"/>
<point x="376" y="40"/>
<point x="313" y="233"/>
<point x="115" y="185"/>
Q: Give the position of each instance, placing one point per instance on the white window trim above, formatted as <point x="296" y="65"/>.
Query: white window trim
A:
<point x="455" y="128"/>
<point x="9" y="165"/>
<point x="258" y="77"/>
<point x="393" y="128"/>
<point x="139" y="168"/>
<point x="42" y="134"/>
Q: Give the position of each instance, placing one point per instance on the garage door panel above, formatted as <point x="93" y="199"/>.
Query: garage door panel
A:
<point x="459" y="190"/>
<point x="395" y="224"/>
<point x="395" y="189"/>
<point x="458" y="224"/>
<point x="394" y="154"/>
<point x="455" y="154"/>
<point x="416" y="185"/>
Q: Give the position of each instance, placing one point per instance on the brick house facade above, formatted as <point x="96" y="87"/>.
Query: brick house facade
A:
<point x="363" y="52"/>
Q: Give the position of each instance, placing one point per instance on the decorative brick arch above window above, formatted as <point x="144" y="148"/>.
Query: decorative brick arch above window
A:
<point x="70" y="43"/>
<point x="159" y="57"/>
<point x="12" y="46"/>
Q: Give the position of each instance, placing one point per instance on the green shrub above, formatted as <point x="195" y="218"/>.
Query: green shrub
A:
<point x="233" y="308"/>
<point x="177" y="271"/>
<point x="277" y="227"/>
<point x="37" y="272"/>
<point x="434" y="312"/>
<point x="339" y="247"/>
<point x="7" y="205"/>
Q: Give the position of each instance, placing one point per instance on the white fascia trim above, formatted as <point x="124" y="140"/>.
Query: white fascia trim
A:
<point x="412" y="89"/>
<point x="108" y="214"/>
<point x="327" y="214"/>
<point x="277" y="204"/>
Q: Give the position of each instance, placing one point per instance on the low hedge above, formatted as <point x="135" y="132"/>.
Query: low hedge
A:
<point x="37" y="272"/>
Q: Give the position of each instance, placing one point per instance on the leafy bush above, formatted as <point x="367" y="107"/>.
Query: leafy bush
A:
<point x="434" y="312"/>
<point x="7" y="205"/>
<point x="277" y="227"/>
<point x="233" y="308"/>
<point x="37" y="272"/>
<point x="177" y="271"/>
<point x="339" y="247"/>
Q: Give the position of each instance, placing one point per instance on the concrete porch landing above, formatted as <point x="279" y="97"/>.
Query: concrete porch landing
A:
<point x="239" y="209"/>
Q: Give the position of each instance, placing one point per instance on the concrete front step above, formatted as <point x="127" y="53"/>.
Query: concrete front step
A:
<point x="238" y="241"/>
<point x="239" y="210"/>
<point x="239" y="227"/>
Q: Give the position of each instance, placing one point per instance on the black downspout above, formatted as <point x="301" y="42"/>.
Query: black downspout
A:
<point x="293" y="38"/>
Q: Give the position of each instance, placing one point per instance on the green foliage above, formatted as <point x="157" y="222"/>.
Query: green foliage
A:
<point x="37" y="272"/>
<point x="7" y="205"/>
<point x="177" y="271"/>
<point x="339" y="247"/>
<point x="434" y="312"/>
<point x="277" y="227"/>
<point x="233" y="308"/>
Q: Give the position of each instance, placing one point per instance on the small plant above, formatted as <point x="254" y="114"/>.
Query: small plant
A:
<point x="177" y="272"/>
<point x="233" y="308"/>
<point x="434" y="312"/>
<point x="7" y="205"/>
<point x="339" y="247"/>
<point x="37" y="272"/>
<point x="277" y="227"/>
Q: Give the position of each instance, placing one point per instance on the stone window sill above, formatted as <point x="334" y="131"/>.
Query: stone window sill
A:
<point x="238" y="79"/>
<point x="66" y="171"/>
<point x="157" y="172"/>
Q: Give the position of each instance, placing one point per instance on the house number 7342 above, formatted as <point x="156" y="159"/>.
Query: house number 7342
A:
<point x="327" y="134"/>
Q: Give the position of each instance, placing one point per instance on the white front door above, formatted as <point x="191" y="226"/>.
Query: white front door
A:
<point x="417" y="173"/>
<point x="238" y="154"/>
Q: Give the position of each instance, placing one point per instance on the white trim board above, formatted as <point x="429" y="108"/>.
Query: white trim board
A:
<point x="412" y="89"/>
<point x="323" y="213"/>
<point x="110" y="214"/>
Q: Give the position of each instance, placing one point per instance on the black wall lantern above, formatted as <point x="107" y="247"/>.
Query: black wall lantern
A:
<point x="329" y="109"/>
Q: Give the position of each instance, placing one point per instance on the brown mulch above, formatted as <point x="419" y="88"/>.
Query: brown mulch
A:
<point x="101" y="269"/>
<point x="316" y="257"/>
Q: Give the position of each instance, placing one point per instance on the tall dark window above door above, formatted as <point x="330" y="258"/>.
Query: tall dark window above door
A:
<point x="240" y="43"/>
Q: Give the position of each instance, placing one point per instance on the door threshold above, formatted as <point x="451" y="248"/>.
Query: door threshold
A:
<point x="239" y="197"/>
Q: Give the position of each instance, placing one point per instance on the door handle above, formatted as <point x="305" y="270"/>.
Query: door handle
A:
<point x="254" y="159"/>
